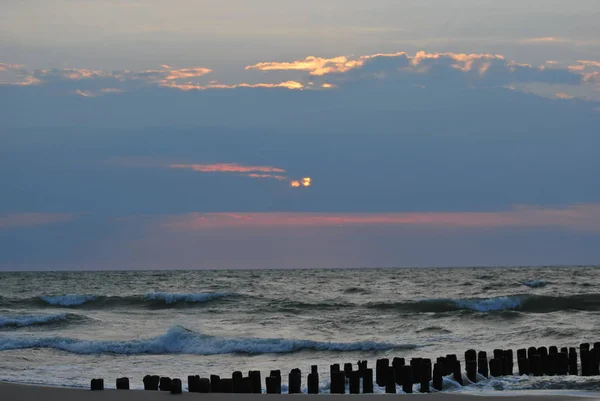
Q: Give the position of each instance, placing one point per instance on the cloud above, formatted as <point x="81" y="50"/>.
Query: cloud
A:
<point x="575" y="217"/>
<point x="33" y="219"/>
<point x="313" y="65"/>
<point x="227" y="168"/>
<point x="562" y="95"/>
<point x="275" y="177"/>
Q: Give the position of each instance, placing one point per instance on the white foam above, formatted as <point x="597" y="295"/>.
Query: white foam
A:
<point x="174" y="297"/>
<point x="67" y="300"/>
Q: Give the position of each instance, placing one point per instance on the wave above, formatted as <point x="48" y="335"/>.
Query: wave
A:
<point x="535" y="283"/>
<point x="150" y="300"/>
<point x="520" y="303"/>
<point x="179" y="340"/>
<point x="38" y="320"/>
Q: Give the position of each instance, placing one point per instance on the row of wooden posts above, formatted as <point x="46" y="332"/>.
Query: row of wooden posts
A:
<point x="532" y="361"/>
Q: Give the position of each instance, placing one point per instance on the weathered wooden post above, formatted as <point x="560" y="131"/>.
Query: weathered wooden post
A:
<point x="552" y="350"/>
<point x="416" y="364"/>
<point x="347" y="369"/>
<point x="215" y="384"/>
<point x="226" y="385"/>
<point x="247" y="385"/>
<point x="573" y="361"/>
<point x="381" y="371"/>
<point x="256" y="381"/>
<point x="397" y="364"/>
<point x="151" y="382"/>
<point x="367" y="381"/>
<point x="122" y="383"/>
<point x="273" y="384"/>
<point x="496" y="367"/>
<point x="425" y="375"/>
<point x="362" y="366"/>
<point x="338" y="382"/>
<point x="354" y="382"/>
<point x="565" y="350"/>
<point x="584" y="354"/>
<point x="97" y="384"/>
<point x="550" y="367"/>
<point x="295" y="381"/>
<point x="237" y="379"/>
<point x="457" y="373"/>
<point x="313" y="381"/>
<point x="164" y="384"/>
<point x="543" y="352"/>
<point x="562" y="364"/>
<point x="470" y="355"/>
<point x="509" y="359"/>
<point x="176" y="387"/>
<point x="438" y="376"/>
<point x="408" y="379"/>
<point x="482" y="364"/>
<point x="535" y="365"/>
<point x="522" y="362"/>
<point x="193" y="383"/>
<point x="595" y="360"/>
<point x="471" y="368"/>
<point x="390" y="386"/>
<point x="204" y="385"/>
<point x="451" y="360"/>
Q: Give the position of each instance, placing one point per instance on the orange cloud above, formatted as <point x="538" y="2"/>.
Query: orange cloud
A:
<point x="33" y="219"/>
<point x="212" y="85"/>
<point x="562" y="95"/>
<point x="577" y="217"/>
<point x="227" y="168"/>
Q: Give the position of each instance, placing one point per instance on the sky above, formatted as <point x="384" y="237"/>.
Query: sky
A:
<point x="144" y="134"/>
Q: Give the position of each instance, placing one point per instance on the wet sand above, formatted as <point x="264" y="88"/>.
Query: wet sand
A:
<point x="22" y="392"/>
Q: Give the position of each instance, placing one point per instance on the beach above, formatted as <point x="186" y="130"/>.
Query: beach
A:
<point x="20" y="392"/>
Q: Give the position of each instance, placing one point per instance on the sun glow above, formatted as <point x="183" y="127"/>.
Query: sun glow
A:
<point x="295" y="184"/>
<point x="306" y="181"/>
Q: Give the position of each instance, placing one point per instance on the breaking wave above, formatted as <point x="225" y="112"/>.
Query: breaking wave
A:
<point x="150" y="300"/>
<point x="179" y="340"/>
<point x="521" y="303"/>
<point x="535" y="283"/>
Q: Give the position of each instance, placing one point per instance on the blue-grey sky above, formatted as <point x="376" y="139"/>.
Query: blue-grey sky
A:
<point x="202" y="134"/>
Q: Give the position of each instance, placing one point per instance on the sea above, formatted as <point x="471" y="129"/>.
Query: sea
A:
<point x="64" y="328"/>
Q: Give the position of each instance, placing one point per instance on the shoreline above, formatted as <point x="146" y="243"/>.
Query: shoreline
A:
<point x="33" y="392"/>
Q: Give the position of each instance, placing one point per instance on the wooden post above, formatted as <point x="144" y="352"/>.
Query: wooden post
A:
<point x="550" y="367"/>
<point x="295" y="381"/>
<point x="362" y="366"/>
<point x="509" y="358"/>
<point x="573" y="361"/>
<point x="367" y="381"/>
<point x="247" y="385"/>
<point x="495" y="367"/>
<point x="397" y="364"/>
<point x="151" y="382"/>
<point x="451" y="360"/>
<point x="552" y="350"/>
<point x="562" y="364"/>
<point x="338" y="383"/>
<point x="347" y="369"/>
<point x="314" y="369"/>
<point x="97" y="384"/>
<point x="390" y="386"/>
<point x="543" y="352"/>
<point x="438" y="376"/>
<point x="457" y="373"/>
<point x="256" y="381"/>
<point x="164" y="384"/>
<point x="313" y="382"/>
<point x="381" y="371"/>
<point x="595" y="354"/>
<point x="226" y="386"/>
<point x="273" y="384"/>
<point x="471" y="368"/>
<point x="176" y="387"/>
<point x="523" y="364"/>
<point x="416" y="364"/>
<point x="122" y="383"/>
<point x="204" y="385"/>
<point x="354" y="382"/>
<point x="425" y="375"/>
<point x="193" y="383"/>
<point x="584" y="354"/>
<point x="535" y="365"/>
<point x="408" y="379"/>
<point x="237" y="379"/>
<point x="482" y="364"/>
<point x="215" y="384"/>
<point x="470" y="355"/>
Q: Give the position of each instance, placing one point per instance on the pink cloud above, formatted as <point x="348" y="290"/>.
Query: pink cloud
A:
<point x="576" y="217"/>
<point x="33" y="219"/>
<point x="227" y="168"/>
